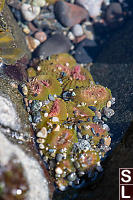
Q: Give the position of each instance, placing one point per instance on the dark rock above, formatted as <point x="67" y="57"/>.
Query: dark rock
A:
<point x="86" y="51"/>
<point x="69" y="14"/>
<point x="114" y="12"/>
<point x="58" y="43"/>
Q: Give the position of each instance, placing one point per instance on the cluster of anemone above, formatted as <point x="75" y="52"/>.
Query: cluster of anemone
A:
<point x="65" y="107"/>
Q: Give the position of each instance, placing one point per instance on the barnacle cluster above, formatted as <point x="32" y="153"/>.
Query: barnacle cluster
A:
<point x="67" y="110"/>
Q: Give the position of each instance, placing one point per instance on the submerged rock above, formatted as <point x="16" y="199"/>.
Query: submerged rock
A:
<point x="68" y="14"/>
<point x="58" y="43"/>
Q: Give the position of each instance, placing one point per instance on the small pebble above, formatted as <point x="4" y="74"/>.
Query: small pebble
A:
<point x="95" y="119"/>
<point x="55" y="119"/>
<point x="98" y="114"/>
<point x="71" y="35"/>
<point x="40" y="140"/>
<point x="30" y="118"/>
<point x="52" y="164"/>
<point x="106" y="127"/>
<point x="72" y="177"/>
<point x="39" y="68"/>
<point x="107" y="141"/>
<point x="42" y="133"/>
<point x="56" y="44"/>
<point x="45" y="114"/>
<point x="62" y="188"/>
<point x="81" y="173"/>
<point x="41" y="146"/>
<point x="59" y="157"/>
<point x="25" y="90"/>
<point x="41" y="36"/>
<point x="32" y="43"/>
<point x="57" y="128"/>
<point x="51" y="98"/>
<point x="109" y="112"/>
<point x="26" y="30"/>
<point x="113" y="101"/>
<point x="77" y="30"/>
<point x="97" y="134"/>
<point x="108" y="104"/>
<point x="58" y="170"/>
<point x="104" y="119"/>
<point x="30" y="12"/>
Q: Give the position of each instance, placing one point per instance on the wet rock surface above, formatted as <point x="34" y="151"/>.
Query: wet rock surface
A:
<point x="57" y="43"/>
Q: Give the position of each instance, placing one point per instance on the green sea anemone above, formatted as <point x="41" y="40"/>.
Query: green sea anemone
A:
<point x="43" y="85"/>
<point x="95" y="95"/>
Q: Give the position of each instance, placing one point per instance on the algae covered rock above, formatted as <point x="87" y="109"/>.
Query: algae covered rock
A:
<point x="12" y="44"/>
<point x="66" y="108"/>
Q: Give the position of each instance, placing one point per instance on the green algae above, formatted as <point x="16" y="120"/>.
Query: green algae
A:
<point x="2" y="3"/>
<point x="95" y="95"/>
<point x="12" y="43"/>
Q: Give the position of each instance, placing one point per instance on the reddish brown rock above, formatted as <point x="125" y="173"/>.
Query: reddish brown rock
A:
<point x="69" y="14"/>
<point x="41" y="36"/>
